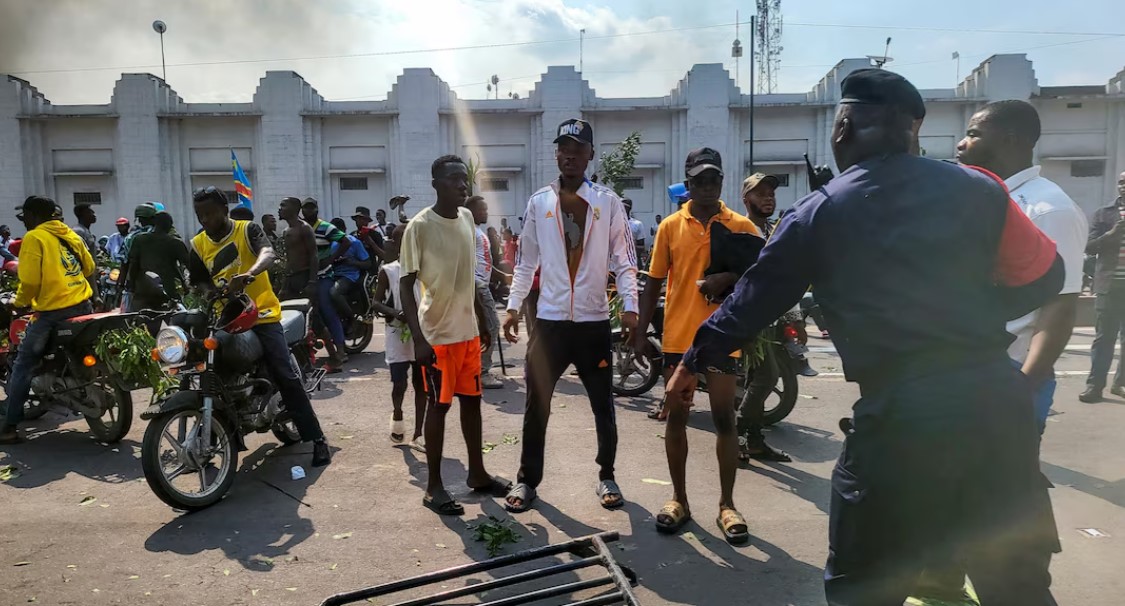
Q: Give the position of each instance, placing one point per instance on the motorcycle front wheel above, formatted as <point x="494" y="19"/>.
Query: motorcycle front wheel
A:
<point x="358" y="337"/>
<point x="117" y="414"/>
<point x="177" y="468"/>
<point x="633" y="374"/>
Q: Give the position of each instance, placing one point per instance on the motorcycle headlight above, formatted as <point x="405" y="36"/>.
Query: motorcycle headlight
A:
<point x="172" y="345"/>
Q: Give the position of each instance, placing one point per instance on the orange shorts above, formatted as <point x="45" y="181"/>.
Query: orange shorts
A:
<point x="456" y="371"/>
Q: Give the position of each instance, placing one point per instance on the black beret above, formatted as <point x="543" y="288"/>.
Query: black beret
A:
<point x="875" y="86"/>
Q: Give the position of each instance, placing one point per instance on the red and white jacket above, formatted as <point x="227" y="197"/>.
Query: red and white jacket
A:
<point x="608" y="247"/>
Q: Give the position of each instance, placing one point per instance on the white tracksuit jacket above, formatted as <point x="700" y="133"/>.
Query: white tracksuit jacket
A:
<point x="608" y="248"/>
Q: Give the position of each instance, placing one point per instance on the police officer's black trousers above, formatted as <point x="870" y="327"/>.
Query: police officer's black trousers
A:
<point x="939" y="466"/>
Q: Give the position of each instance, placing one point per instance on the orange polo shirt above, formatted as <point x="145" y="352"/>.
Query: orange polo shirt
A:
<point x="681" y="253"/>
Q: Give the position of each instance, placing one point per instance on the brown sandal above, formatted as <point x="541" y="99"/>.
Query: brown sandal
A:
<point x="672" y="517"/>
<point x="734" y="526"/>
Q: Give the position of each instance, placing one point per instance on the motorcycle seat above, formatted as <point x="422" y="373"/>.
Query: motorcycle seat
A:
<point x="301" y="305"/>
<point x="293" y="322"/>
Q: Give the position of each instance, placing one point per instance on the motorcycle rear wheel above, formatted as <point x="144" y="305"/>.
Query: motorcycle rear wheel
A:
<point x="286" y="433"/>
<point x="169" y="452"/>
<point x="358" y="337"/>
<point x="115" y="422"/>
<point x="633" y="375"/>
<point x="783" y="397"/>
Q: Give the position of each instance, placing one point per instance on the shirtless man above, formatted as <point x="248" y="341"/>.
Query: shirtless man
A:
<point x="300" y="246"/>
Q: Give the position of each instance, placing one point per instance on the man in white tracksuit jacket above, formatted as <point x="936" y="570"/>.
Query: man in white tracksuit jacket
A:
<point x="576" y="233"/>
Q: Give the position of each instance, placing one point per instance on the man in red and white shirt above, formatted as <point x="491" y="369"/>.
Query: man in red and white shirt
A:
<point x="485" y="272"/>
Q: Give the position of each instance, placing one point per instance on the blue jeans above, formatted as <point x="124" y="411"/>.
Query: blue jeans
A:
<point x="1042" y="397"/>
<point x="32" y="348"/>
<point x="328" y="311"/>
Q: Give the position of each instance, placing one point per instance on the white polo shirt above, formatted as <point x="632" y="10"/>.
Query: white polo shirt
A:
<point x="1056" y="215"/>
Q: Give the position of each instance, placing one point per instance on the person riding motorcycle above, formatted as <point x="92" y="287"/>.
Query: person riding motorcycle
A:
<point x="159" y="252"/>
<point x="56" y="280"/>
<point x="237" y="254"/>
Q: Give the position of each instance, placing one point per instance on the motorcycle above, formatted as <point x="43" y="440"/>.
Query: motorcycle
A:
<point x="71" y="375"/>
<point x="635" y="374"/>
<point x="360" y="328"/>
<point x="190" y="450"/>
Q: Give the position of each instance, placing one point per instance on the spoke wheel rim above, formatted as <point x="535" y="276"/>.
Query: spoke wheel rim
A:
<point x="184" y="467"/>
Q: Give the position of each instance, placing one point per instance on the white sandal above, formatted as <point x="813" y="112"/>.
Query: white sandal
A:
<point x="418" y="444"/>
<point x="398" y="431"/>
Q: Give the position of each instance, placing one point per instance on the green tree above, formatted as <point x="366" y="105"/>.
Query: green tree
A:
<point x="617" y="165"/>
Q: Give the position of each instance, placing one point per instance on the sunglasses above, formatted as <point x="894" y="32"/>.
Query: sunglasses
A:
<point x="203" y="193"/>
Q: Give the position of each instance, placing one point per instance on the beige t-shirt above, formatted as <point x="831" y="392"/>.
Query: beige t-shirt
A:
<point x="443" y="254"/>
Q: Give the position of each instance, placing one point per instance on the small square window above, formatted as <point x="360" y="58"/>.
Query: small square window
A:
<point x="353" y="183"/>
<point x="87" y="197"/>
<point x="493" y="184"/>
<point x="1074" y="106"/>
<point x="782" y="180"/>
<point x="1087" y="168"/>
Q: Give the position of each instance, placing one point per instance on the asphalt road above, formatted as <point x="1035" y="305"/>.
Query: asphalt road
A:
<point x="360" y="521"/>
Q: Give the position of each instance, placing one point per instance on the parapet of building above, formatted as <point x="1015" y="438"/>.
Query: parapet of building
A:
<point x="146" y="143"/>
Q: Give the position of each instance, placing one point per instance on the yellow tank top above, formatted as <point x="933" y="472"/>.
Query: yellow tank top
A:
<point x="232" y="256"/>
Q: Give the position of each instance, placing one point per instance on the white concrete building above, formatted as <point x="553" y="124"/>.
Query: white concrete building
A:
<point x="148" y="144"/>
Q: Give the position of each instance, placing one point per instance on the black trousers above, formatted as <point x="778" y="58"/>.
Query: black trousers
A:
<point x="553" y="347"/>
<point x="1110" y="308"/>
<point x="942" y="467"/>
<point x="763" y="380"/>
<point x="288" y="380"/>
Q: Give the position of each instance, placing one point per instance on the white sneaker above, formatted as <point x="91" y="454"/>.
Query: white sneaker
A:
<point x="491" y="381"/>
<point x="418" y="444"/>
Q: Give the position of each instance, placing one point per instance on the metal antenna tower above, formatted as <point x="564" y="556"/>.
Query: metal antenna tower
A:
<point x="768" y="42"/>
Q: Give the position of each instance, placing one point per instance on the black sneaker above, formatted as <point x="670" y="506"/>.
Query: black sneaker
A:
<point x="322" y="455"/>
<point x="1091" y="395"/>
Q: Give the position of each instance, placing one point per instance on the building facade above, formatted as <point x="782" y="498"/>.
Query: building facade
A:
<point x="148" y="144"/>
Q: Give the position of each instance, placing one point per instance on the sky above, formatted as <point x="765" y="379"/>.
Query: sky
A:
<point x="74" y="50"/>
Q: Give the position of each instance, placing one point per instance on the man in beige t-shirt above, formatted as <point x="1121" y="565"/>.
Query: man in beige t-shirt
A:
<point x="438" y="250"/>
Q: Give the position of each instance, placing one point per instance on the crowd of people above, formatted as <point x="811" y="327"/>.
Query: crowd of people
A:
<point x="973" y="269"/>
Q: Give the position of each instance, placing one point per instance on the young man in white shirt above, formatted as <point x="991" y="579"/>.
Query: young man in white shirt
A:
<point x="1001" y="138"/>
<point x="575" y="233"/>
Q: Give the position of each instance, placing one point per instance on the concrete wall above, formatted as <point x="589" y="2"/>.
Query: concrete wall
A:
<point x="147" y="144"/>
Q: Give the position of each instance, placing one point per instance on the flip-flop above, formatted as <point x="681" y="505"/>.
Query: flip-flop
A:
<point x="734" y="526"/>
<point x="524" y="493"/>
<point x="497" y="487"/>
<point x="444" y="507"/>
<point x="766" y="454"/>
<point x="606" y="488"/>
<point x="672" y="517"/>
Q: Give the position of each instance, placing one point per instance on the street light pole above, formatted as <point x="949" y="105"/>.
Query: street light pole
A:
<point x="753" y="33"/>
<point x="160" y="27"/>
<point x="581" y="48"/>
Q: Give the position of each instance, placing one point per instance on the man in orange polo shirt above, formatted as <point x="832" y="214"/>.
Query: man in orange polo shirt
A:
<point x="681" y="253"/>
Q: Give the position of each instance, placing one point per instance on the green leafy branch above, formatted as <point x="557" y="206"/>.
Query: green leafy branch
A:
<point x="618" y="164"/>
<point x="495" y="533"/>
<point x="128" y="352"/>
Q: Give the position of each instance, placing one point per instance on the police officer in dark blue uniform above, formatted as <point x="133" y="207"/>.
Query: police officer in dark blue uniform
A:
<point x="917" y="265"/>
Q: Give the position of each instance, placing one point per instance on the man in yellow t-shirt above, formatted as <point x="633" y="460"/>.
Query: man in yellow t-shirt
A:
<point x="55" y="270"/>
<point x="234" y="252"/>
<point x="447" y="326"/>
<point x="681" y="253"/>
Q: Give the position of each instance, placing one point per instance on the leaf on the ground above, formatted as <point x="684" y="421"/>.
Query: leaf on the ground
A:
<point x="657" y="482"/>
<point x="263" y="560"/>
<point x="226" y="572"/>
<point x="511" y="438"/>
<point x="21" y="564"/>
<point x="290" y="589"/>
<point x="689" y="535"/>
<point x="562" y="405"/>
<point x="134" y="577"/>
<point x="71" y="566"/>
<point x="440" y="545"/>
<point x="346" y="437"/>
<point x="87" y="501"/>
<point x="487" y="448"/>
<point x="103" y="505"/>
<point x="808" y="396"/>
<point x="333" y="566"/>
<point x="96" y="590"/>
<point x="32" y="599"/>
<point x="9" y="472"/>
<point x="660" y="436"/>
<point x="342" y="535"/>
<point x="148" y="593"/>
<point x="254" y="592"/>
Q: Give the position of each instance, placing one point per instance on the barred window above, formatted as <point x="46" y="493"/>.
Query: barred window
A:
<point x="492" y="184"/>
<point x="353" y="183"/>
<point x="87" y="197"/>
<point x="632" y="183"/>
<point x="782" y="180"/>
